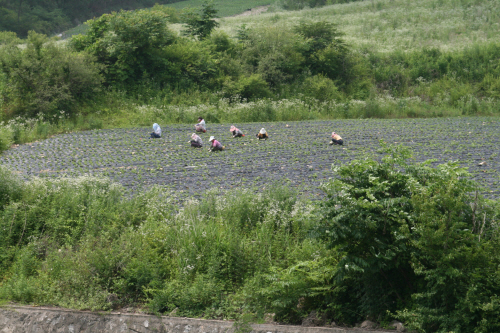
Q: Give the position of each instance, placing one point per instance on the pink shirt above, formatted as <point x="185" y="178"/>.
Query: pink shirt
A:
<point x="216" y="143"/>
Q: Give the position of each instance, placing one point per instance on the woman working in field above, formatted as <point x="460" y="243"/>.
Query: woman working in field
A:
<point x="196" y="141"/>
<point x="236" y="132"/>
<point x="215" y="145"/>
<point x="336" y="139"/>
<point x="262" y="135"/>
<point x="200" y="126"/>
<point x="156" y="131"/>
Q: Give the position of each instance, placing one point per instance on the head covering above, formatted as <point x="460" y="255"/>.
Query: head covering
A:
<point x="262" y="131"/>
<point x="193" y="136"/>
<point x="333" y="133"/>
<point x="211" y="139"/>
<point x="156" y="128"/>
<point x="233" y="128"/>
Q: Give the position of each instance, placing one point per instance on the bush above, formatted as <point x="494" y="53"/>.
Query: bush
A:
<point x="44" y="78"/>
<point x="129" y="43"/>
<point x="6" y="137"/>
<point x="416" y="241"/>
<point x="321" y="88"/>
<point x="10" y="187"/>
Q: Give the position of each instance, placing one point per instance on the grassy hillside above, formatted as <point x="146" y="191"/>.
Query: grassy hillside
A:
<point x="224" y="7"/>
<point x="388" y="25"/>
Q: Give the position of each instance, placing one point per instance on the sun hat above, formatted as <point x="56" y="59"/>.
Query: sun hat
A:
<point x="233" y="128"/>
<point x="333" y="133"/>
<point x="193" y="135"/>
<point x="212" y="138"/>
<point x="262" y="131"/>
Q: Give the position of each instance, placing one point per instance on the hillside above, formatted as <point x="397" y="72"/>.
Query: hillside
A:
<point x="51" y="16"/>
<point x="383" y="25"/>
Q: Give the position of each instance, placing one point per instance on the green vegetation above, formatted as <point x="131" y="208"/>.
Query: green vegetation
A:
<point x="51" y="16"/>
<point x="393" y="239"/>
<point x="376" y="247"/>
<point x="224" y="7"/>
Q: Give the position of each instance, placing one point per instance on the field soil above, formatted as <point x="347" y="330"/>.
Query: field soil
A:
<point x="297" y="153"/>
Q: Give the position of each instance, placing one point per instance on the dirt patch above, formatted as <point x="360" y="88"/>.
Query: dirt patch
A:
<point x="253" y="11"/>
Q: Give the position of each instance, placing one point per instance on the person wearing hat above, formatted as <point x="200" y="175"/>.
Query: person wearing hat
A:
<point x="336" y="139"/>
<point x="201" y="126"/>
<point x="196" y="141"/>
<point x="236" y="132"/>
<point x="215" y="145"/>
<point x="156" y="134"/>
<point x="262" y="135"/>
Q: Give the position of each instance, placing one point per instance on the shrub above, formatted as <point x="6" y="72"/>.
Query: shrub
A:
<point x="44" y="78"/>
<point x="130" y="44"/>
<point x="321" y="88"/>
<point x="10" y="187"/>
<point x="6" y="137"/>
<point x="415" y="241"/>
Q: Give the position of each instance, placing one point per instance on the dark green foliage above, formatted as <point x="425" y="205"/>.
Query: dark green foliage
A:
<point x="414" y="240"/>
<point x="44" y="79"/>
<point x="52" y="16"/>
<point x="130" y="44"/>
<point x="201" y="24"/>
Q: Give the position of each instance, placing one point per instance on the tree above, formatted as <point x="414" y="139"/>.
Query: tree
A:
<point x="130" y="44"/>
<point x="201" y="24"/>
<point x="44" y="78"/>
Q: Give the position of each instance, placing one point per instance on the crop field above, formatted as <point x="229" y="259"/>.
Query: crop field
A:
<point x="297" y="152"/>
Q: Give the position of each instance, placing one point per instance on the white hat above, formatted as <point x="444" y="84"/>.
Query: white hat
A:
<point x="211" y="139"/>
<point x="262" y="131"/>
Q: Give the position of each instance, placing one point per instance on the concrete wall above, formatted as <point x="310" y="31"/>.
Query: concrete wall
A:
<point x="21" y="319"/>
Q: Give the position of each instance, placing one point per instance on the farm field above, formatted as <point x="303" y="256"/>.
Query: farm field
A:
<point x="297" y="152"/>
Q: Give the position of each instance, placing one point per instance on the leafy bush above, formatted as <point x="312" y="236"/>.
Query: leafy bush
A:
<point x="414" y="241"/>
<point x="321" y="88"/>
<point x="10" y="187"/>
<point x="130" y="44"/>
<point x="44" y="78"/>
<point x="6" y="137"/>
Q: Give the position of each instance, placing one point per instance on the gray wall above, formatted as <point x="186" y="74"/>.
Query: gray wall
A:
<point x="17" y="319"/>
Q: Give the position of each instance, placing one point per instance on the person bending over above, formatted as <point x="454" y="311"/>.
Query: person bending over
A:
<point x="336" y="139"/>
<point x="196" y="141"/>
<point x="156" y="131"/>
<point x="262" y="135"/>
<point x="236" y="132"/>
<point x="215" y="145"/>
<point x="201" y="126"/>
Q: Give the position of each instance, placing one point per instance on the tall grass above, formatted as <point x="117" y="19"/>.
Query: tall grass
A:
<point x="144" y="251"/>
<point x="389" y="25"/>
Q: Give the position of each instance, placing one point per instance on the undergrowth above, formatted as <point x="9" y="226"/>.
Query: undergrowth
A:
<point x="393" y="239"/>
